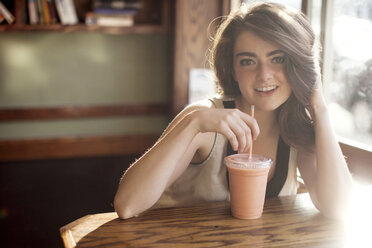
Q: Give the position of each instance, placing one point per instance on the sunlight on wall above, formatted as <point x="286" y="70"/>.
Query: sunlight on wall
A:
<point x="49" y="69"/>
<point x="19" y="56"/>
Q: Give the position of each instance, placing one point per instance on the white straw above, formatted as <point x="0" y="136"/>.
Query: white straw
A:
<point x="251" y="147"/>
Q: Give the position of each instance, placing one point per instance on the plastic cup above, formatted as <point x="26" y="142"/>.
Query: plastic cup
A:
<point x="247" y="179"/>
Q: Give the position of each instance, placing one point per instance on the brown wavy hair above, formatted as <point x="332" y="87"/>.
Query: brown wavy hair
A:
<point x="291" y="31"/>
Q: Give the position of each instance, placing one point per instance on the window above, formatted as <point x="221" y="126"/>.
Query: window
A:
<point x="347" y="68"/>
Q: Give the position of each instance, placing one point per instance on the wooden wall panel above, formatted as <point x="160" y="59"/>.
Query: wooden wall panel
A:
<point x="84" y="146"/>
<point x="72" y="112"/>
<point x="68" y="147"/>
<point x="191" y="42"/>
<point x="359" y="162"/>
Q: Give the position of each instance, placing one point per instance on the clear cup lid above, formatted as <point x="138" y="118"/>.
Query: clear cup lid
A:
<point x="244" y="161"/>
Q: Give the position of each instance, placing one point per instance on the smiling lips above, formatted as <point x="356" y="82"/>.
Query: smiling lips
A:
<point x="267" y="90"/>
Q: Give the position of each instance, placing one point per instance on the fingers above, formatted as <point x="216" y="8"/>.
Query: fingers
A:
<point x="230" y="135"/>
<point x="243" y="135"/>
<point x="252" y="123"/>
<point x="239" y="128"/>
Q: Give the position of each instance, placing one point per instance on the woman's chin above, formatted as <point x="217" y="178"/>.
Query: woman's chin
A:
<point x="267" y="107"/>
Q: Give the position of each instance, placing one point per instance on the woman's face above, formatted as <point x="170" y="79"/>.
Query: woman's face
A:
<point x="259" y="71"/>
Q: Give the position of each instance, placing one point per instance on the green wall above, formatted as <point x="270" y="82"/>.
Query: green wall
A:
<point x="85" y="68"/>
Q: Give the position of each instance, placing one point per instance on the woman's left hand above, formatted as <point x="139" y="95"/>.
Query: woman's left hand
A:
<point x="317" y="101"/>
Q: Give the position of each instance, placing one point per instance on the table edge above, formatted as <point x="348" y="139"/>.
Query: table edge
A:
<point x="65" y="231"/>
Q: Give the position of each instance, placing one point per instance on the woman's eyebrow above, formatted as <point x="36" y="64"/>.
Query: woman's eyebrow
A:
<point x="250" y="54"/>
<point x="274" y="52"/>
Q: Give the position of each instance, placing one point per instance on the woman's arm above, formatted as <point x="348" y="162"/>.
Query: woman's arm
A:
<point x="324" y="169"/>
<point x="146" y="179"/>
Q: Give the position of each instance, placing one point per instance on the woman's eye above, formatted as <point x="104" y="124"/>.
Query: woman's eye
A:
<point x="278" y="60"/>
<point x="246" y="62"/>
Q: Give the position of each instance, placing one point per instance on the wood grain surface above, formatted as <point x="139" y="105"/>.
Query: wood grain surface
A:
<point x="76" y="112"/>
<point x="72" y="147"/>
<point x="193" y="18"/>
<point x="286" y="222"/>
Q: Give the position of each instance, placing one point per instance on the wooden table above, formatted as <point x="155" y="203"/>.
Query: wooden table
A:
<point x="286" y="222"/>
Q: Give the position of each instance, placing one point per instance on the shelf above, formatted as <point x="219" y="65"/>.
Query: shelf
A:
<point x="70" y="147"/>
<point x="74" y="112"/>
<point x="137" y="29"/>
<point x="80" y="146"/>
<point x="144" y="22"/>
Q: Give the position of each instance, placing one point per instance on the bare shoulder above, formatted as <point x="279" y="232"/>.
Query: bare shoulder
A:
<point x="203" y="104"/>
<point x="206" y="103"/>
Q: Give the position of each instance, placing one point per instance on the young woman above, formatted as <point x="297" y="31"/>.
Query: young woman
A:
<point x="263" y="56"/>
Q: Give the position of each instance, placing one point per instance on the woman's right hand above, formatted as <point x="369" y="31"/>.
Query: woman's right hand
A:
<point x="238" y="127"/>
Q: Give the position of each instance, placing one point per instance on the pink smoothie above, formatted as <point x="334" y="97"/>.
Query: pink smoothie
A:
<point x="247" y="179"/>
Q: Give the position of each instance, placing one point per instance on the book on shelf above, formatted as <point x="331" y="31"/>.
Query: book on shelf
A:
<point x="114" y="13"/>
<point x="40" y="11"/>
<point x="9" y="17"/>
<point x="117" y="4"/>
<point x="52" y="11"/>
<point x="46" y="11"/>
<point x="66" y="11"/>
<point x="109" y="20"/>
<point x="116" y="7"/>
<point x="107" y="11"/>
<point x="20" y="12"/>
<point x="33" y="12"/>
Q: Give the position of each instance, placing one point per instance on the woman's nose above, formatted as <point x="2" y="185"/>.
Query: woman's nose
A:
<point x="265" y="73"/>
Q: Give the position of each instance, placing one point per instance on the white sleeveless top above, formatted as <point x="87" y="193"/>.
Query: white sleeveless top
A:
<point x="207" y="181"/>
